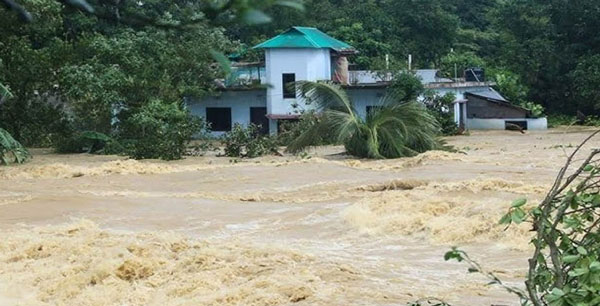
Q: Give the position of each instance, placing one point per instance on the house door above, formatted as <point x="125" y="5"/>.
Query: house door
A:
<point x="258" y="116"/>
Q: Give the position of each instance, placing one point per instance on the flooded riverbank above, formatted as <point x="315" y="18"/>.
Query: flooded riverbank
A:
<point x="324" y="230"/>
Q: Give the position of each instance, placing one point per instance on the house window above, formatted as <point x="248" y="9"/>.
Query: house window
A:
<point x="288" y="79"/>
<point x="219" y="118"/>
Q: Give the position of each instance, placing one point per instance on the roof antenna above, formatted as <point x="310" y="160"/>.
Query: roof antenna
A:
<point x="410" y="62"/>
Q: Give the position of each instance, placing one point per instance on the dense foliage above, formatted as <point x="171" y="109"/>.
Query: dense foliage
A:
<point x="394" y="129"/>
<point x="247" y="141"/>
<point x="441" y="109"/>
<point x="11" y="150"/>
<point x="159" y="130"/>
<point x="290" y="130"/>
<point x="550" y="46"/>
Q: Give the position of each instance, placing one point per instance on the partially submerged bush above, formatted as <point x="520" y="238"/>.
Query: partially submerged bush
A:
<point x="291" y="130"/>
<point x="441" y="107"/>
<point x="248" y="142"/>
<point x="89" y="142"/>
<point x="11" y="150"/>
<point x="159" y="130"/>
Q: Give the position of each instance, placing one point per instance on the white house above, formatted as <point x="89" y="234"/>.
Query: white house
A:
<point x="307" y="54"/>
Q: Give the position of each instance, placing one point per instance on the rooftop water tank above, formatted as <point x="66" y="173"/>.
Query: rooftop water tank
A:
<point x="475" y="74"/>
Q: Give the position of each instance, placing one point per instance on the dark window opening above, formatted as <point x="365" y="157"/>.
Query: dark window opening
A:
<point x="258" y="116"/>
<point x="289" y="90"/>
<point x="219" y="118"/>
<point x="515" y="125"/>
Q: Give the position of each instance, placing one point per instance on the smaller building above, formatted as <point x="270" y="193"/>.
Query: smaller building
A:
<point x="488" y="110"/>
<point x="307" y="54"/>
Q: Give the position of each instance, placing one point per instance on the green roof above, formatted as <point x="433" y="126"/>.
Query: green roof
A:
<point x="303" y="37"/>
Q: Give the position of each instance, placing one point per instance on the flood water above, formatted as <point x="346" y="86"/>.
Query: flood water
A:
<point x="325" y="230"/>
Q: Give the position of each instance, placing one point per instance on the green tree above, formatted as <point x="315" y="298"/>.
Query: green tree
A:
<point x="455" y="62"/>
<point x="428" y="28"/>
<point x="586" y="81"/>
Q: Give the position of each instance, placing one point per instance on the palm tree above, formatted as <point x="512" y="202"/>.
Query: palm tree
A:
<point x="393" y="129"/>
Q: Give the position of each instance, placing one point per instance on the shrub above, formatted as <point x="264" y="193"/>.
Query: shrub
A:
<point x="89" y="142"/>
<point x="11" y="150"/>
<point x="441" y="109"/>
<point x="555" y="120"/>
<point x="291" y="130"/>
<point x="248" y="142"/>
<point x="159" y="130"/>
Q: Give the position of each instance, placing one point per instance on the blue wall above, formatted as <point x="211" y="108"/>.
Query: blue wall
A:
<point x="239" y="101"/>
<point x="364" y="97"/>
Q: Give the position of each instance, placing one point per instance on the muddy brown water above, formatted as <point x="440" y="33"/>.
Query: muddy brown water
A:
<point x="328" y="230"/>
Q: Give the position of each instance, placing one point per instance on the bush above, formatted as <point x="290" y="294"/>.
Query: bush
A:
<point x="159" y="130"/>
<point x="561" y="119"/>
<point x="441" y="109"/>
<point x="291" y="130"/>
<point x="89" y="142"/>
<point x="248" y="142"/>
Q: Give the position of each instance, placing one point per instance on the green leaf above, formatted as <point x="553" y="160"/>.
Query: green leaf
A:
<point x="588" y="168"/>
<point x="571" y="258"/>
<point x="506" y="219"/>
<point x="557" y="292"/>
<point x="453" y="254"/>
<point x="579" y="272"/>
<point x="595" y="266"/>
<point x="518" y="216"/>
<point x="519" y="202"/>
<point x="581" y="250"/>
<point x="472" y="270"/>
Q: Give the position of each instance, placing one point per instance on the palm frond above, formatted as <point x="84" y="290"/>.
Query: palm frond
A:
<point x="11" y="150"/>
<point x="4" y="92"/>
<point x="326" y="96"/>
<point x="306" y="139"/>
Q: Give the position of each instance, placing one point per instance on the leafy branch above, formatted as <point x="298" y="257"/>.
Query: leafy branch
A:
<point x="475" y="267"/>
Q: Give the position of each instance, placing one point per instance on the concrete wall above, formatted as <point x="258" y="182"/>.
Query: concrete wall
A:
<point x="499" y="124"/>
<point x="239" y="102"/>
<point x="306" y="64"/>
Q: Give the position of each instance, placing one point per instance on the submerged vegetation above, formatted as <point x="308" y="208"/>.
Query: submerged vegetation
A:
<point x="11" y="151"/>
<point x="248" y="142"/>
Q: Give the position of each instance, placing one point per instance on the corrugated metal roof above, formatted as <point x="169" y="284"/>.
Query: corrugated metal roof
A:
<point x="489" y="93"/>
<point x="304" y="37"/>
